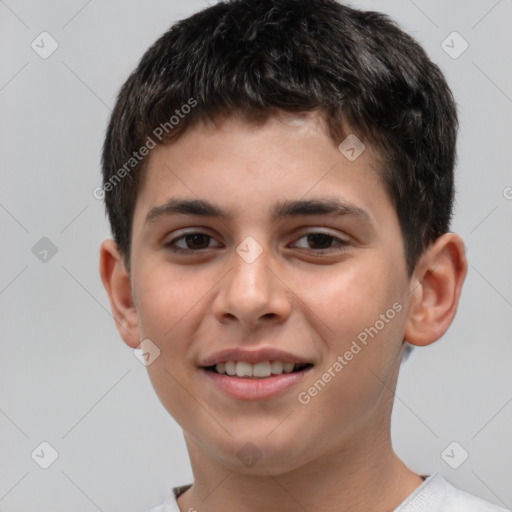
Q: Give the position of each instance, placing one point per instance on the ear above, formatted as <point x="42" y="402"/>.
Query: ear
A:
<point x="435" y="290"/>
<point x="116" y="281"/>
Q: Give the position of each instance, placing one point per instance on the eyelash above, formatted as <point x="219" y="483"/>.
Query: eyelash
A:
<point x="170" y="245"/>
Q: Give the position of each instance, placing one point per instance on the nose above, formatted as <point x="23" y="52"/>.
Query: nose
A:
<point x="252" y="293"/>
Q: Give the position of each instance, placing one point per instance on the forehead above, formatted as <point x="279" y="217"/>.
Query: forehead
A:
<point x="251" y="167"/>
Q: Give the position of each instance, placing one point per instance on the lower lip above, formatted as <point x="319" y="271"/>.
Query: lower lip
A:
<point x="255" y="389"/>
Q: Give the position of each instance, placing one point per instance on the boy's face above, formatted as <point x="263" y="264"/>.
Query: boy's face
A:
<point x="312" y="297"/>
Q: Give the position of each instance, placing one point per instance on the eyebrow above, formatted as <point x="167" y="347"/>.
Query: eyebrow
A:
<point x="280" y="210"/>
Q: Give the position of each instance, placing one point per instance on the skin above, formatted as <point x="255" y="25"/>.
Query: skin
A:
<point x="333" y="453"/>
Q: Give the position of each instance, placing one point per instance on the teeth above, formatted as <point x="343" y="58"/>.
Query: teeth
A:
<point x="259" y="370"/>
<point x="243" y="369"/>
<point x="277" y="367"/>
<point x="230" y="368"/>
<point x="288" y="367"/>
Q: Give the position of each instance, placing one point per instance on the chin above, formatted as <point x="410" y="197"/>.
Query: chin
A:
<point x="258" y="453"/>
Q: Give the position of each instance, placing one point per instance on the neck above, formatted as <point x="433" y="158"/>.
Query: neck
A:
<point x="362" y="477"/>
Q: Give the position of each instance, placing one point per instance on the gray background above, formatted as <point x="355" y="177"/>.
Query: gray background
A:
<point x="66" y="377"/>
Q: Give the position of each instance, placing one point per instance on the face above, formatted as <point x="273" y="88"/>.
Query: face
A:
<point x="264" y="243"/>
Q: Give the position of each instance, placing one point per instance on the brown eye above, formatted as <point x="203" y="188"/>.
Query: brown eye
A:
<point x="197" y="241"/>
<point x="321" y="242"/>
<point x="191" y="242"/>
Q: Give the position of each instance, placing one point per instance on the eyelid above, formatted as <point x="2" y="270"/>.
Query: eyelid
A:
<point x="181" y="236"/>
<point x="341" y="242"/>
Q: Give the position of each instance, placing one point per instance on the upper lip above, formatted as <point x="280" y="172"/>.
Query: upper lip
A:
<point x="252" y="356"/>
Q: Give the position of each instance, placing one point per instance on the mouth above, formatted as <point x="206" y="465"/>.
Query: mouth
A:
<point x="263" y="380"/>
<point x="260" y="370"/>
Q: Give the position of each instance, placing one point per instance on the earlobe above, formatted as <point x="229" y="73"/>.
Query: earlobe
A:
<point x="117" y="283"/>
<point x="435" y="290"/>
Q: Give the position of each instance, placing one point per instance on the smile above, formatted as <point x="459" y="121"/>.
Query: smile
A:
<point x="255" y="381"/>
<point x="260" y="370"/>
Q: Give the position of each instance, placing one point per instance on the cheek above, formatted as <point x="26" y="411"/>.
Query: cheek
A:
<point x="165" y="298"/>
<point x="349" y="299"/>
<point x="168" y="302"/>
<point x="173" y="391"/>
<point x="362" y="317"/>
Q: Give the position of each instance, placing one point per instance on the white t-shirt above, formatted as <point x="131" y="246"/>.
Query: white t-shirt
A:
<point x="434" y="495"/>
